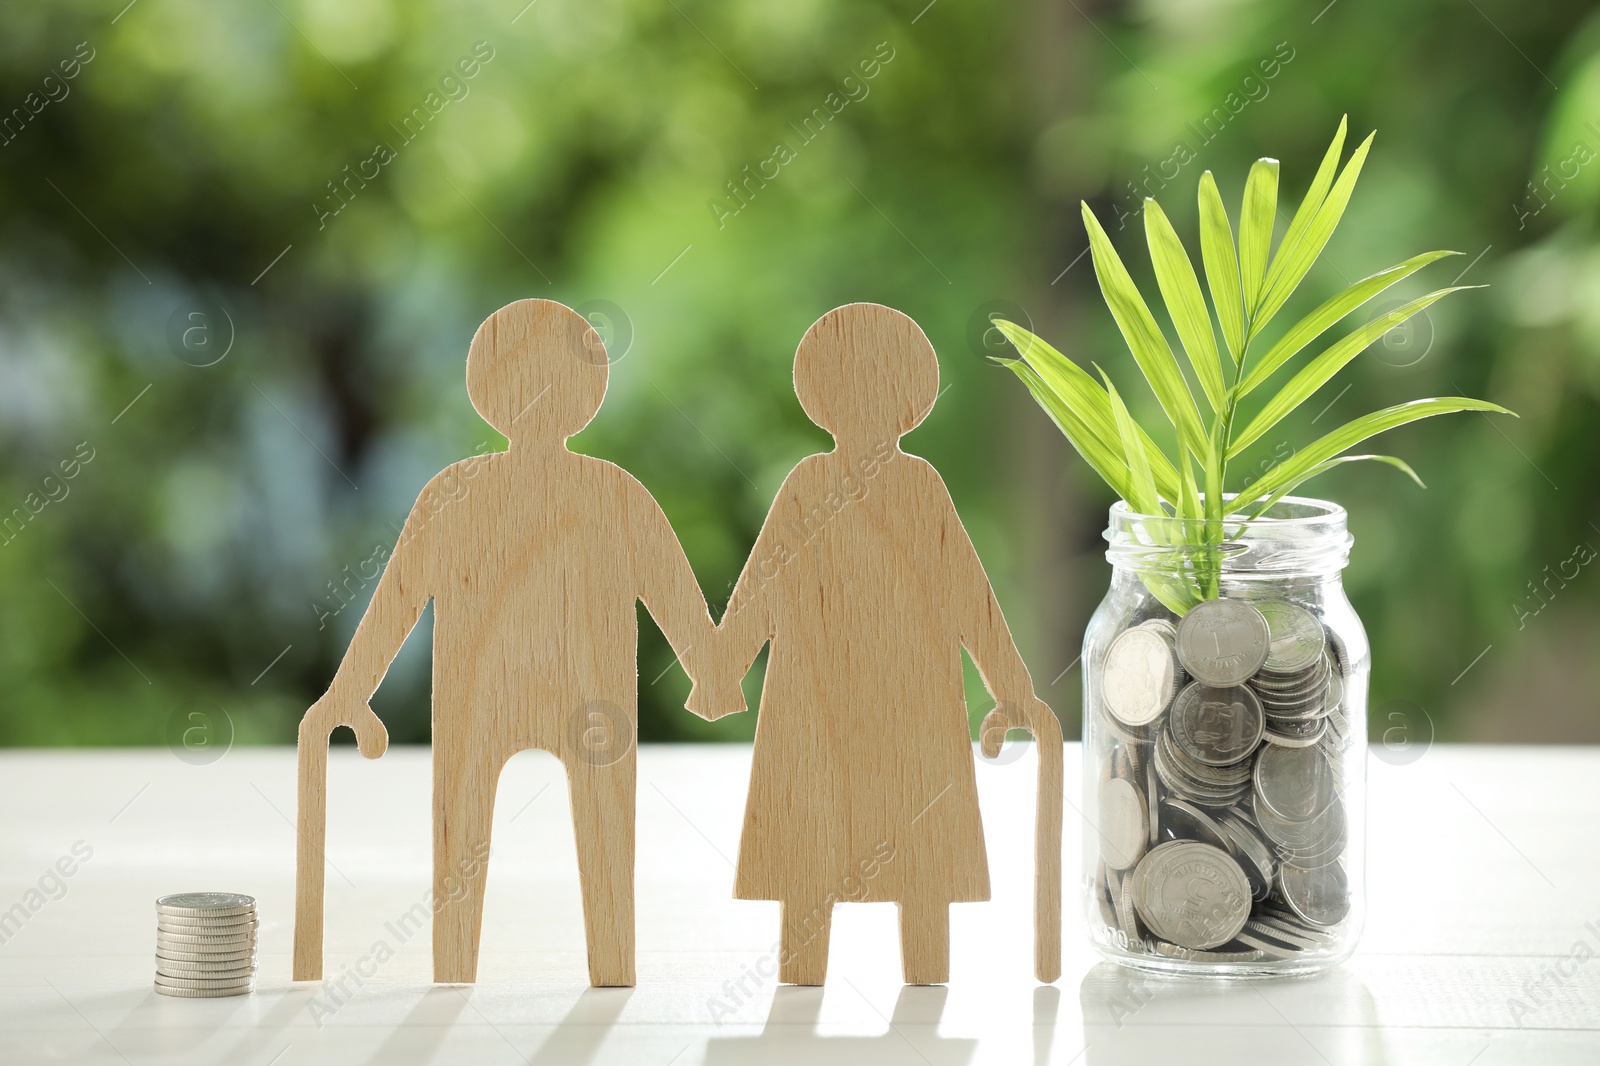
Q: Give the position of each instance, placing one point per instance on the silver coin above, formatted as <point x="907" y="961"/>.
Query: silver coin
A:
<point x="1161" y="625"/>
<point x="229" y="976"/>
<point x="180" y="967"/>
<point x="1339" y="649"/>
<point x="1290" y="689"/>
<point x="1288" y="922"/>
<point x="1124" y="733"/>
<point x="1102" y="896"/>
<point x="1294" y="783"/>
<point x="1295" y="633"/>
<point x="195" y="943"/>
<point x="206" y="903"/>
<point x="216" y="952"/>
<point x="1216" y="726"/>
<point x="1297" y="689"/>
<point x="1339" y="726"/>
<point x="1173" y="951"/>
<point x="1185" y="821"/>
<point x="1312" y="843"/>
<point x="1136" y="759"/>
<point x="1192" y="894"/>
<point x="187" y="982"/>
<point x="1127" y="920"/>
<point x="1228" y="778"/>
<point x="1270" y="948"/>
<point x="1306" y="703"/>
<point x="200" y="927"/>
<point x="1222" y="642"/>
<point x="1293" y="939"/>
<point x="1313" y="706"/>
<point x="1300" y="691"/>
<point x="1152" y="793"/>
<point x="1187" y="785"/>
<point x="1296" y="735"/>
<point x="1123" y="823"/>
<point x="1255" y="858"/>
<point x="209" y="957"/>
<point x="1321" y="897"/>
<point x="1126" y="762"/>
<point x="1140" y="676"/>
<point x="1114" y="766"/>
<point x="205" y="993"/>
<point x="1279" y="717"/>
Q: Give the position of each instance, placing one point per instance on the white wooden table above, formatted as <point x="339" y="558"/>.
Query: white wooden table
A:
<point x="1483" y="861"/>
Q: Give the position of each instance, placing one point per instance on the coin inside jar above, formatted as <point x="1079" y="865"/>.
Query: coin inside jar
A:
<point x="1141" y="675"/>
<point x="1216" y="726"/>
<point x="1296" y="638"/>
<point x="1321" y="897"/>
<point x="1123" y="824"/>
<point x="1223" y="642"/>
<point x="1295" y="784"/>
<point x="1190" y="893"/>
<point x="1185" y="821"/>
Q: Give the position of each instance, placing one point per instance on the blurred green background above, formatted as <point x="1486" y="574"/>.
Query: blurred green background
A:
<point x="315" y="198"/>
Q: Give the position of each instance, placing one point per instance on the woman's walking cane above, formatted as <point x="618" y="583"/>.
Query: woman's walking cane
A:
<point x="1046" y="730"/>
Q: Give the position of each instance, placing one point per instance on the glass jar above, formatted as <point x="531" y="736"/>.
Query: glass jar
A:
<point x="1224" y="741"/>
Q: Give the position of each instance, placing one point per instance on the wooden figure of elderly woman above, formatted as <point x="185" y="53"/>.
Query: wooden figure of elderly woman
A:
<point x="867" y="586"/>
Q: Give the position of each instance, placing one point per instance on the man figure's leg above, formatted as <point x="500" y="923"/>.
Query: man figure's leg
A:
<point x="603" y="801"/>
<point x="464" y="780"/>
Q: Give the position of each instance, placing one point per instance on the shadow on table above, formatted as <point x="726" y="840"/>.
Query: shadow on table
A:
<point x="427" y="1023"/>
<point x="193" y="1027"/>
<point x="790" y="1034"/>
<point x="1134" y="1017"/>
<point x="585" y="1027"/>
<point x="575" y="1041"/>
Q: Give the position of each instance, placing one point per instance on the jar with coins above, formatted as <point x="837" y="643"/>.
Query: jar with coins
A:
<point x="1224" y="739"/>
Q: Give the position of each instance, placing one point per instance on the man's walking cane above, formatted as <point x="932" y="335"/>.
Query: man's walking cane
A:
<point x="311" y="829"/>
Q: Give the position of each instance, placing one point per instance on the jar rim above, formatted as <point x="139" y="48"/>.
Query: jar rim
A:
<point x="1316" y="511"/>
<point x="1299" y="534"/>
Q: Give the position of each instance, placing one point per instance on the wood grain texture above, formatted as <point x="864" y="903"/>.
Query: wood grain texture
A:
<point x="533" y="559"/>
<point x="865" y="583"/>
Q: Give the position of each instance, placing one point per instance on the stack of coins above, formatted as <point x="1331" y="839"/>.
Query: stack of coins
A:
<point x="1297" y="684"/>
<point x="1221" y="824"/>
<point x="205" y="944"/>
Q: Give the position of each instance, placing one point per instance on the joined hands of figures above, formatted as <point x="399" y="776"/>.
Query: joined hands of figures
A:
<point x="715" y="700"/>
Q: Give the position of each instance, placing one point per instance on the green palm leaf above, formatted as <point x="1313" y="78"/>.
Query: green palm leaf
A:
<point x="1142" y="484"/>
<point x="1248" y="284"/>
<point x="1256" y="217"/>
<point x="1188" y="492"/>
<point x="1181" y="291"/>
<point x="1311" y="204"/>
<point x="1145" y="339"/>
<point x="1109" y="464"/>
<point x="1323" y="467"/>
<point x="1296" y="259"/>
<point x="1317" y="322"/>
<point x="1316" y="373"/>
<point x="1352" y="433"/>
<point x="1086" y="400"/>
<point x="1222" y="266"/>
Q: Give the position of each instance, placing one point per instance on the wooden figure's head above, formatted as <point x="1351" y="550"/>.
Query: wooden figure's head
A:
<point x="866" y="373"/>
<point x="537" y="371"/>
